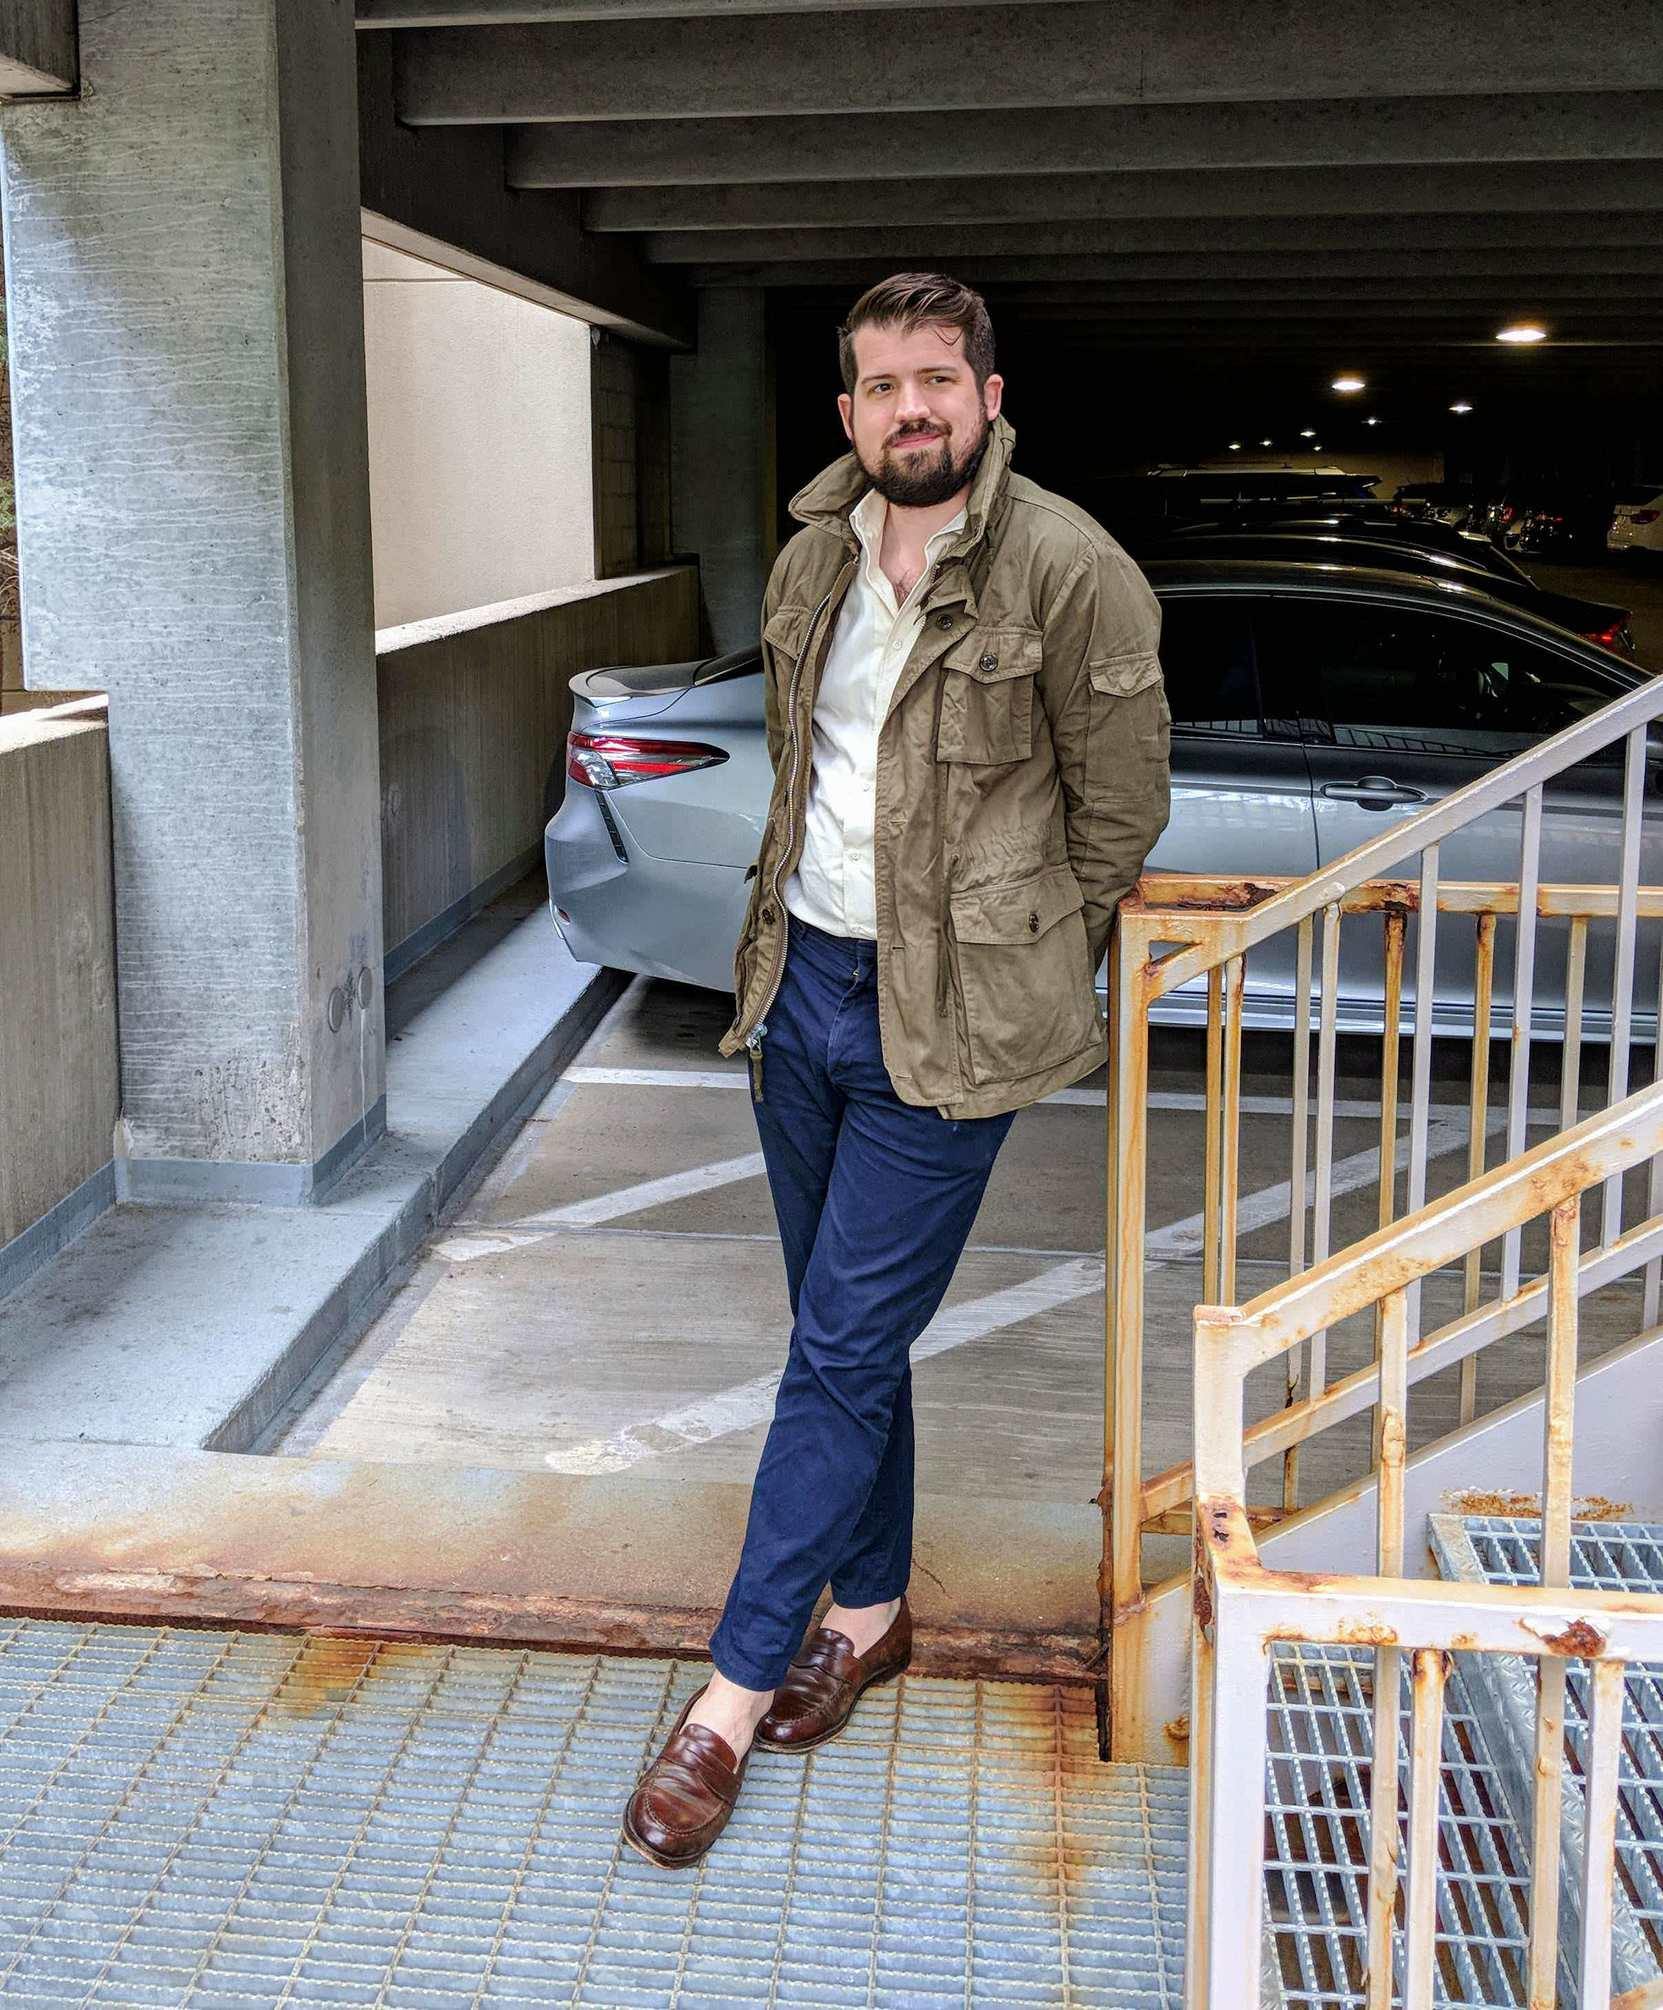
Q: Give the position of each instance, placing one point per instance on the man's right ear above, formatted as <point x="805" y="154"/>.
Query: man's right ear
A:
<point x="846" y="412"/>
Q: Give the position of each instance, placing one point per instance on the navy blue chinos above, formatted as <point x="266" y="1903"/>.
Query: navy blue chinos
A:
<point x="875" y="1200"/>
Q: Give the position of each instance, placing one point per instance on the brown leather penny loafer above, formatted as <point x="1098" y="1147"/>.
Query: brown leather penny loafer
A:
<point x="682" y="1801"/>
<point x="825" y="1681"/>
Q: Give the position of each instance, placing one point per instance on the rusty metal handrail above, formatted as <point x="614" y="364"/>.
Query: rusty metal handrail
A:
<point x="1241" y="1607"/>
<point x="1210" y="920"/>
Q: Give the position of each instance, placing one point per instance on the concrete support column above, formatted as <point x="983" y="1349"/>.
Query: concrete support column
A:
<point x="722" y="457"/>
<point x="187" y="367"/>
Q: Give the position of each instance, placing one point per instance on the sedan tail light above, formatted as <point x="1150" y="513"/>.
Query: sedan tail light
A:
<point x="613" y="760"/>
<point x="1644" y="516"/>
<point x="1617" y="636"/>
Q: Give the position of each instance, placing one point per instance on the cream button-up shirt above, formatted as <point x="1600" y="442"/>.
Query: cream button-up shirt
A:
<point x="833" y="885"/>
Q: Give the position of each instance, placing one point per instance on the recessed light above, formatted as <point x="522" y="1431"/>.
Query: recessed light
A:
<point x="1460" y="405"/>
<point x="1264" y="443"/>
<point x="1348" y="384"/>
<point x="1371" y="422"/>
<point x="1522" y="331"/>
<point x="1308" y="433"/>
<point x="1235" y="446"/>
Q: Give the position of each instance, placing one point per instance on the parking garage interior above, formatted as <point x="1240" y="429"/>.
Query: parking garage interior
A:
<point x="1209" y="239"/>
<point x="430" y="1286"/>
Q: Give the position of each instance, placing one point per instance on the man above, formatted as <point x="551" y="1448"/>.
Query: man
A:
<point x="969" y="735"/>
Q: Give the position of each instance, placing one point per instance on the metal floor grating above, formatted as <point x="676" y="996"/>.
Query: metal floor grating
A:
<point x="1317" y="1840"/>
<point x="1605" y="1556"/>
<point x="227" y="1820"/>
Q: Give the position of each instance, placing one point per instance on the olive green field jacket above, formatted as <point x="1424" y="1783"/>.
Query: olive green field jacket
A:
<point x="1022" y="777"/>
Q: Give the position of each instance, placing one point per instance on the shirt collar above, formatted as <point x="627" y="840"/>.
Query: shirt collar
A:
<point x="868" y="515"/>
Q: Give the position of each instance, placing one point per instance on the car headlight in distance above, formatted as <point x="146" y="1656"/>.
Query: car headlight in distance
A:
<point x="614" y="760"/>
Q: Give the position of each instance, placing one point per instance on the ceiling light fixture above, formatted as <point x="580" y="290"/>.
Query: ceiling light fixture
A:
<point x="1522" y="331"/>
<point x="1349" y="384"/>
<point x="1235" y="446"/>
<point x="1460" y="405"/>
<point x="1264" y="443"/>
<point x="1371" y="422"/>
<point x="1308" y="433"/>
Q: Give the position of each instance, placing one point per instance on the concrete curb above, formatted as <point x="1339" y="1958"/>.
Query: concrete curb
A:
<point x="191" y="1326"/>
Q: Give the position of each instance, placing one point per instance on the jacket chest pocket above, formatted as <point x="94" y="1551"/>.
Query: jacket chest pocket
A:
<point x="988" y="696"/>
<point x="787" y="631"/>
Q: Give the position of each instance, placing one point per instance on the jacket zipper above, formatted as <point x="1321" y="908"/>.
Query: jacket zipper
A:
<point x="754" y="1038"/>
<point x="941" y="830"/>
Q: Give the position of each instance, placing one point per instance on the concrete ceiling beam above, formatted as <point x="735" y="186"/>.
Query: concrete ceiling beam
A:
<point x="441" y="195"/>
<point x="1573" y="187"/>
<point x="1559" y="310"/>
<point x="605" y="209"/>
<point x="38" y="48"/>
<point x="500" y="13"/>
<point x="1457" y="135"/>
<point x="1517" y="294"/>
<point x="1077" y="52"/>
<point x="1361" y="259"/>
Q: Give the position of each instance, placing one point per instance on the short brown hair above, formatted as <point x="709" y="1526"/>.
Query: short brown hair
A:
<point x="913" y="300"/>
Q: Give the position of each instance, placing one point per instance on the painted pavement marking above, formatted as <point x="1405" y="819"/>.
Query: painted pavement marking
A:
<point x="602" y="1207"/>
<point x="749" y="1403"/>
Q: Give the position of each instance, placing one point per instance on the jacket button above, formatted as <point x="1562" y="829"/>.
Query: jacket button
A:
<point x="989" y="663"/>
<point x="944" y="621"/>
<point x="1033" y="924"/>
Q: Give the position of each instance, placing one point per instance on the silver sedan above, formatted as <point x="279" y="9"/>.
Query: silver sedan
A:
<point x="1311" y="705"/>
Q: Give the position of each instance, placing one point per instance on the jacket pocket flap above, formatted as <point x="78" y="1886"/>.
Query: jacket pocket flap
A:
<point x="1133" y="670"/>
<point x="990" y="655"/>
<point x="785" y="629"/>
<point x="1018" y="913"/>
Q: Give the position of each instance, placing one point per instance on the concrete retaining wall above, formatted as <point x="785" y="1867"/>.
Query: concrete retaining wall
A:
<point x="58" y="1079"/>
<point x="474" y="713"/>
<point x="474" y="710"/>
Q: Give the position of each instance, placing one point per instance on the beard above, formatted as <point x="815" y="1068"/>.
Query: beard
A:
<point x="927" y="475"/>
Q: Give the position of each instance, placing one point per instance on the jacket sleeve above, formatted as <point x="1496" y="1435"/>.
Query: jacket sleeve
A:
<point x="1106" y="704"/>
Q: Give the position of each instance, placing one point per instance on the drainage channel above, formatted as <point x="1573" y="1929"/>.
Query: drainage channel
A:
<point x="224" y="1819"/>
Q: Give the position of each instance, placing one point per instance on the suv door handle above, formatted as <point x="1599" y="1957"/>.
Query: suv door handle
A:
<point x="1371" y="792"/>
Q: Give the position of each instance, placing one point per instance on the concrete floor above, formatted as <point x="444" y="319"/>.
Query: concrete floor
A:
<point x="611" y="1299"/>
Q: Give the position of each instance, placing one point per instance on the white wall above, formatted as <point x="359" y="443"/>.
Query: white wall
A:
<point x="479" y="425"/>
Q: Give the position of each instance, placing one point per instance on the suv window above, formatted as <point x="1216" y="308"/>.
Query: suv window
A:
<point x="1207" y="659"/>
<point x="1394" y="680"/>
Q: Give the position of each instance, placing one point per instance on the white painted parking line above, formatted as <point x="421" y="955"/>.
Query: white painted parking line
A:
<point x="749" y="1403"/>
<point x="603" y="1207"/>
<point x="659" y="1078"/>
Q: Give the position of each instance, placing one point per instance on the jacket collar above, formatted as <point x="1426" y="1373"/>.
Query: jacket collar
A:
<point x="828" y="499"/>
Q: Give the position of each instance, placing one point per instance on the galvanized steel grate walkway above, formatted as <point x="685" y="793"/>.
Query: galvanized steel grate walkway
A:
<point x="1605" y="1556"/>
<point x="1316" y="1865"/>
<point x="223" y="1819"/>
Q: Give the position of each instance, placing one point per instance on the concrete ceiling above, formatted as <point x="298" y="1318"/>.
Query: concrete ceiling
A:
<point x="1139" y="172"/>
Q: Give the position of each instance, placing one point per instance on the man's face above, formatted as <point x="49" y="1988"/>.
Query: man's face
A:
<point x="917" y="422"/>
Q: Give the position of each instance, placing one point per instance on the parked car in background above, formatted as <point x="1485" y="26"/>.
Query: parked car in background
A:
<point x="1451" y="503"/>
<point x="1311" y="707"/>
<point x="1375" y="523"/>
<point x="1130" y="504"/>
<point x="1637" y="521"/>
<point x="1594" y="620"/>
<point x="1546" y="523"/>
